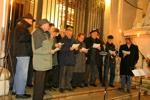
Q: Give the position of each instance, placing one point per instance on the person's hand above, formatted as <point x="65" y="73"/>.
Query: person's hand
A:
<point x="76" y="49"/>
<point x="58" y="45"/>
<point x="84" y="50"/>
<point x="124" y="55"/>
<point x="99" y="48"/>
<point x="71" y="48"/>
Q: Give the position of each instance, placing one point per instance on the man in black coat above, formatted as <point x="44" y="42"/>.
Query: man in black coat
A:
<point x="93" y="58"/>
<point x="23" y="52"/>
<point x="129" y="56"/>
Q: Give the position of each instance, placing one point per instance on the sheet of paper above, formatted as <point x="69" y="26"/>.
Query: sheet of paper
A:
<point x="75" y="46"/>
<point x="136" y="72"/>
<point x="139" y="72"/>
<point x="125" y="52"/>
<point x="112" y="52"/>
<point x="95" y="45"/>
<point x="142" y="72"/>
<point x="57" y="49"/>
<point x="84" y="50"/>
<point x="61" y="43"/>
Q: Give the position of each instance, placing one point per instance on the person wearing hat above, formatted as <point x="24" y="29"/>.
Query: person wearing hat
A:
<point x="129" y="55"/>
<point x="110" y="61"/>
<point x="42" y="57"/>
<point x="22" y="52"/>
<point x="93" y="57"/>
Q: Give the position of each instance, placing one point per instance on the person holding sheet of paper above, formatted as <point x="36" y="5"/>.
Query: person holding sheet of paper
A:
<point x="79" y="71"/>
<point x="110" y="61"/>
<point x="67" y="60"/>
<point x="129" y="56"/>
<point x="94" y="46"/>
<point x="52" y="75"/>
<point x="42" y="57"/>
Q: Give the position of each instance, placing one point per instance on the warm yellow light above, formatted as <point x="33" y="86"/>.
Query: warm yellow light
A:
<point x="120" y="31"/>
<point x="107" y="2"/>
<point x="11" y="3"/>
<point x="4" y="12"/>
<point x="138" y="34"/>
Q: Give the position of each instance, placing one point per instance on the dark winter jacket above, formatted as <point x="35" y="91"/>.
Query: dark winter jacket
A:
<point x="66" y="56"/>
<point x="22" y="39"/>
<point x="93" y="56"/>
<point x="128" y="62"/>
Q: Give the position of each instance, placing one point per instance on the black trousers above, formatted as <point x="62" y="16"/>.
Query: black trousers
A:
<point x="52" y="77"/>
<point x="66" y="73"/>
<point x="78" y="79"/>
<point x="100" y="72"/>
<point x="39" y="79"/>
<point x="30" y="73"/>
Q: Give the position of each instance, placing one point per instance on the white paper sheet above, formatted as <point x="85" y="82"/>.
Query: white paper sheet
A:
<point x="125" y="52"/>
<point x="112" y="52"/>
<point x="139" y="72"/>
<point x="95" y="45"/>
<point x="60" y="43"/>
<point x="84" y="50"/>
<point x="55" y="50"/>
<point x="74" y="46"/>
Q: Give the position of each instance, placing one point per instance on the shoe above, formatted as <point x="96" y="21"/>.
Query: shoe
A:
<point x="74" y="87"/>
<point x="128" y="91"/>
<point x="121" y="89"/>
<point x="103" y="85"/>
<point x="23" y="96"/>
<point x="70" y="89"/>
<point x="61" y="90"/>
<point x="86" y="85"/>
<point x="13" y="93"/>
<point x="94" y="85"/>
<point x="112" y="86"/>
<point x="30" y="85"/>
<point x="81" y="85"/>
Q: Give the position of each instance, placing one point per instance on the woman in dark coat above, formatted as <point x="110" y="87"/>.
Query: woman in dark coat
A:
<point x="129" y="56"/>
<point x="79" y="70"/>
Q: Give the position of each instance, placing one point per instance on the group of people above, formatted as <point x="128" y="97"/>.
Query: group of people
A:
<point x="60" y="60"/>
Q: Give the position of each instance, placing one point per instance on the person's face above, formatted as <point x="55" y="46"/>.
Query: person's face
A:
<point x="62" y="33"/>
<point x="128" y="41"/>
<point x="51" y="29"/>
<point x="98" y="36"/>
<point x="46" y="27"/>
<point x="94" y="35"/>
<point x="54" y="34"/>
<point x="69" y="33"/>
<point x="110" y="41"/>
<point x="81" y="38"/>
<point x="30" y="21"/>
